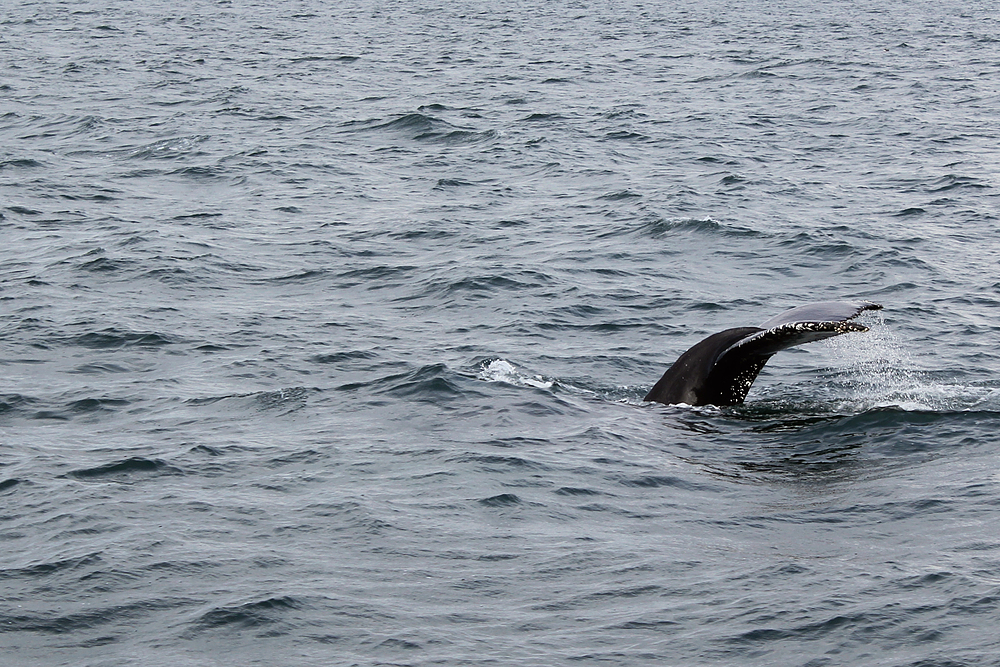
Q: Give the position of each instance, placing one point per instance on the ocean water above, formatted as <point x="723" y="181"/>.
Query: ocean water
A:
<point x="325" y="327"/>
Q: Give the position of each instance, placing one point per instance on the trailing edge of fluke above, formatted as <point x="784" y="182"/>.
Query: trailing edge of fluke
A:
<point x="720" y="369"/>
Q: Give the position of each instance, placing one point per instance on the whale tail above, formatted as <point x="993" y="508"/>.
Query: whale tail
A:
<point x="720" y="369"/>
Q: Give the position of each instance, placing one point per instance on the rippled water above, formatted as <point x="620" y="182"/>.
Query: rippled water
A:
<point x="325" y="332"/>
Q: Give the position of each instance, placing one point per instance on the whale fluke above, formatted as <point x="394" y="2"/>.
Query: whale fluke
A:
<point x="720" y="369"/>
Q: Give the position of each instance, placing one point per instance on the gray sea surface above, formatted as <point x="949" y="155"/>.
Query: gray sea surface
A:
<point x="325" y="329"/>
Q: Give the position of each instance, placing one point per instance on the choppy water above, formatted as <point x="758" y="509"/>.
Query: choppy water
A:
<point x="324" y="330"/>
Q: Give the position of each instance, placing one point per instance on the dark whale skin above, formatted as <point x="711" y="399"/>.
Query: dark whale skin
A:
<point x="720" y="369"/>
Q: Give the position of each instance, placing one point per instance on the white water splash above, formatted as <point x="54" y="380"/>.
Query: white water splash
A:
<point x="501" y="370"/>
<point x="880" y="372"/>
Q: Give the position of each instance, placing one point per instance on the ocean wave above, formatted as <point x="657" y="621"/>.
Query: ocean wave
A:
<point x="172" y="148"/>
<point x="344" y="357"/>
<point x="256" y="614"/>
<point x="114" y="338"/>
<point x="430" y="383"/>
<point x="661" y="228"/>
<point x="423" y="127"/>
<point x="125" y="470"/>
<point x="8" y="484"/>
<point x="483" y="286"/>
<point x="284" y="401"/>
